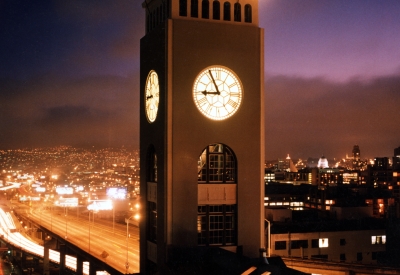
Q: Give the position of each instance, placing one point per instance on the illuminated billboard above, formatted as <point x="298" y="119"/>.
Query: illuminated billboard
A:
<point x="40" y="189"/>
<point x="64" y="190"/>
<point x="117" y="193"/>
<point x="66" y="202"/>
<point x="100" y="205"/>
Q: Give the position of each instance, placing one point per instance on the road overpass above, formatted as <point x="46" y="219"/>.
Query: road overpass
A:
<point x="80" y="236"/>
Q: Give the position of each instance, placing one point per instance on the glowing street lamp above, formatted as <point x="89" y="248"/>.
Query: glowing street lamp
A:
<point x="66" y="222"/>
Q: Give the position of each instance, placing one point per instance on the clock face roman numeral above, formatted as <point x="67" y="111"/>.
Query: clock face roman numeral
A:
<point x="234" y="104"/>
<point x="234" y="84"/>
<point x="202" y="101"/>
<point x="218" y="74"/>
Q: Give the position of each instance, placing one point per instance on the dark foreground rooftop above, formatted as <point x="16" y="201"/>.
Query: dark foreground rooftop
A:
<point x="213" y="260"/>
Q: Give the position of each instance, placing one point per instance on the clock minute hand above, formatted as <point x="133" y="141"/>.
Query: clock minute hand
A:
<point x="215" y="84"/>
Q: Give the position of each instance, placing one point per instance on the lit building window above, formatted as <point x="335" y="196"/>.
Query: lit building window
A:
<point x="323" y="242"/>
<point x="216" y="224"/>
<point x="378" y="239"/>
<point x="217" y="163"/>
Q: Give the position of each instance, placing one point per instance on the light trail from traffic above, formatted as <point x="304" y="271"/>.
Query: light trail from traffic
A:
<point x="101" y="238"/>
<point x="9" y="232"/>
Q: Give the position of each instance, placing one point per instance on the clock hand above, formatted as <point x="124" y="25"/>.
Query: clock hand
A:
<point x="209" y="93"/>
<point x="216" y="87"/>
<point x="148" y="97"/>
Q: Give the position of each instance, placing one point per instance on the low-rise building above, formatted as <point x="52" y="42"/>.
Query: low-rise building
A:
<point x="349" y="243"/>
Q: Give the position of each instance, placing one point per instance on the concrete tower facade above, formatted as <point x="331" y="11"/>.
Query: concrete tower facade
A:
<point x="201" y="129"/>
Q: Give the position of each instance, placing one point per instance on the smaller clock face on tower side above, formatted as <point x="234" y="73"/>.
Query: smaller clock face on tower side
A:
<point x="217" y="92"/>
<point x="151" y="96"/>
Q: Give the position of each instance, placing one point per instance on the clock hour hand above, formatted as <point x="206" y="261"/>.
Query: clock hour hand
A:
<point x="209" y="93"/>
<point x="215" y="84"/>
<point x="148" y="97"/>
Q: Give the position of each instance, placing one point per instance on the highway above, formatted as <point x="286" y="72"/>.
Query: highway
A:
<point x="103" y="239"/>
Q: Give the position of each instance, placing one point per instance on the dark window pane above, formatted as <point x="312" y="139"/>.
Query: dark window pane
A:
<point x="194" y="8"/>
<point x="237" y="12"/>
<point x="182" y="7"/>
<point x="247" y="14"/>
<point x="205" y="9"/>
<point x="216" y="10"/>
<point x="280" y="245"/>
<point x="227" y="11"/>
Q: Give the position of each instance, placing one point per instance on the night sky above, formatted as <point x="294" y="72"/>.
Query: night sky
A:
<point x="69" y="75"/>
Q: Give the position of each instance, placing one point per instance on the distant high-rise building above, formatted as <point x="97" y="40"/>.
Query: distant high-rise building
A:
<point x="397" y="152"/>
<point x="381" y="163"/>
<point x="356" y="152"/>
<point x="286" y="165"/>
<point x="291" y="167"/>
<point x="396" y="159"/>
<point x="356" y="161"/>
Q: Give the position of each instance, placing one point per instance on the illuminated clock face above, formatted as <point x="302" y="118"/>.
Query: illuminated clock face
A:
<point x="217" y="92"/>
<point x="152" y="96"/>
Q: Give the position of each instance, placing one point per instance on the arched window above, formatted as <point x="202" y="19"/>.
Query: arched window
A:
<point x="217" y="223"/>
<point x="152" y="165"/>
<point x="227" y="11"/>
<point x="237" y="10"/>
<point x="157" y="16"/>
<point x="194" y="8"/>
<point x="165" y="10"/>
<point x="216" y="10"/>
<point x="161" y="13"/>
<point x="247" y="13"/>
<point x="153" y="19"/>
<point x="205" y="9"/>
<point x="217" y="164"/>
<point x="148" y="25"/>
<point x="152" y="178"/>
<point x="182" y="7"/>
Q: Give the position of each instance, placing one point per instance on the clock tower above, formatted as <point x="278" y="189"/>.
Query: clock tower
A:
<point x="201" y="130"/>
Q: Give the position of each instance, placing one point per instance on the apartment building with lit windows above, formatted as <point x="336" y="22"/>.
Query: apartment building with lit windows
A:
<point x="364" y="246"/>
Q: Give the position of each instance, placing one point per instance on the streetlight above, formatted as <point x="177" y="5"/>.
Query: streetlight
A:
<point x="89" y="229"/>
<point x="66" y="222"/>
<point x="51" y="218"/>
<point x="136" y="217"/>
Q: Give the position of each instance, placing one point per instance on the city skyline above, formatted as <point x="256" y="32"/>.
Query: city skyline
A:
<point x="70" y="75"/>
